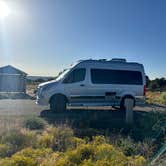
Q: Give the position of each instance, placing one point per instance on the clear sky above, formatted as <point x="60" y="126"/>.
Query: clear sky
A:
<point x="44" y="36"/>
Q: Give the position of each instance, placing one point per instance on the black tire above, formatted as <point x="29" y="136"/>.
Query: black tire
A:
<point x="58" y="103"/>
<point x="122" y="104"/>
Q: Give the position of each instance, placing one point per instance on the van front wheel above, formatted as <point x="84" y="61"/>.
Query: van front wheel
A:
<point x="58" y="103"/>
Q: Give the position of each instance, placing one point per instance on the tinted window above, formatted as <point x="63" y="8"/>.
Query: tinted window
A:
<point x="76" y="75"/>
<point x="104" y="76"/>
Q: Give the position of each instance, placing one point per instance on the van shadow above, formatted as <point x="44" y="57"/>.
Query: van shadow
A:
<point x="158" y="105"/>
<point x="94" y="122"/>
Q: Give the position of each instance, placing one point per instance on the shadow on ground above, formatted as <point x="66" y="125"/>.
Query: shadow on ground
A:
<point x="158" y="105"/>
<point x="88" y="122"/>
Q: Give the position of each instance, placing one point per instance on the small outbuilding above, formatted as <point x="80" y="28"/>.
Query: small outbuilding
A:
<point x="12" y="79"/>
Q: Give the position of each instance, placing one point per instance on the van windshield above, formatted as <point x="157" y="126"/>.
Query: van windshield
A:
<point x="62" y="74"/>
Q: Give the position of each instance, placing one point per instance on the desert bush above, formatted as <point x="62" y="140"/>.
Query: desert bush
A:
<point x="132" y="148"/>
<point x="156" y="97"/>
<point x="95" y="153"/>
<point x="34" y="123"/>
<point x="57" y="138"/>
<point x="75" y="142"/>
<point x="52" y="160"/>
<point x="81" y="153"/>
<point x="128" y="146"/>
<point x="16" y="140"/>
<point x="58" y="146"/>
<point x="30" y="138"/>
<point x="89" y="132"/>
<point x="85" y="155"/>
<point x="26" y="157"/>
<point x="97" y="140"/>
<point x="147" y="148"/>
<point x="5" y="150"/>
<point x="163" y="97"/>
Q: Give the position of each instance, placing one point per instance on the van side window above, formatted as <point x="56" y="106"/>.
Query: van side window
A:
<point x="76" y="75"/>
<point x="107" y="76"/>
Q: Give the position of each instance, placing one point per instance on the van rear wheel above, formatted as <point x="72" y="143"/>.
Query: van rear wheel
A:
<point x="122" y="103"/>
<point x="58" y="103"/>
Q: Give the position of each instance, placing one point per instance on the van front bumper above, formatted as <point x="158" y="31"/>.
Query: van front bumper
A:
<point x="41" y="101"/>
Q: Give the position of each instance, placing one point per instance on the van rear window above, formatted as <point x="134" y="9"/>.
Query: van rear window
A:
<point x="106" y="76"/>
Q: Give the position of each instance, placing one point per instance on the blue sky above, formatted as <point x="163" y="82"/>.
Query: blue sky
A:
<point x="44" y="36"/>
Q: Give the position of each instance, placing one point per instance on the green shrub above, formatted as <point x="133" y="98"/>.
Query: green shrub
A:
<point x="34" y="123"/>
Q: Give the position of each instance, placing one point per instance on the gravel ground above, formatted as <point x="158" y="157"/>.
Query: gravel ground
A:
<point x="29" y="107"/>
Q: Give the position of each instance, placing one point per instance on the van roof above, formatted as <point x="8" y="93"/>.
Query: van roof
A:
<point x="112" y="61"/>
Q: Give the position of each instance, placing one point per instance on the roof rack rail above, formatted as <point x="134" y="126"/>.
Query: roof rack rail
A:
<point x="102" y="59"/>
<point x="118" y="60"/>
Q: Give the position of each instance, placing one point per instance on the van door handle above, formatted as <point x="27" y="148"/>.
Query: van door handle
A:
<point x="82" y="84"/>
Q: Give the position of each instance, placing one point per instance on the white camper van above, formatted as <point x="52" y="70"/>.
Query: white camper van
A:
<point x="94" y="83"/>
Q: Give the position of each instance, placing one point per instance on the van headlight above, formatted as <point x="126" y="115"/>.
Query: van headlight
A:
<point x="44" y="90"/>
<point x="40" y="91"/>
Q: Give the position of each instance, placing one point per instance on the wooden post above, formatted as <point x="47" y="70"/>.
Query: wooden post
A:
<point x="129" y="103"/>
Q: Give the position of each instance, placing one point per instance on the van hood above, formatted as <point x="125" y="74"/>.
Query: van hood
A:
<point x="48" y="83"/>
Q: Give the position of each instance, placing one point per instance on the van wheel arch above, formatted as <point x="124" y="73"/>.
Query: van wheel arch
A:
<point x="61" y="100"/>
<point x="122" y="107"/>
<point x="58" y="95"/>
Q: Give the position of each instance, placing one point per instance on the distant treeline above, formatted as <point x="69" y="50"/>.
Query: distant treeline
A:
<point x="40" y="80"/>
<point x="156" y="84"/>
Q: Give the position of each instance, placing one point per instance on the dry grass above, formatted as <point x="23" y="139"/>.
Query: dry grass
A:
<point x="8" y="123"/>
<point x="154" y="97"/>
